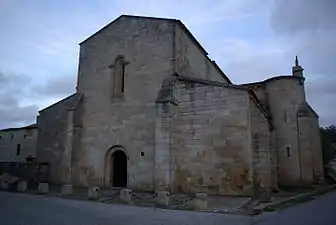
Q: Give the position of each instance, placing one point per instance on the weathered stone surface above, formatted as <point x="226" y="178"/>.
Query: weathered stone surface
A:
<point x="192" y="60"/>
<point x="146" y="88"/>
<point x="66" y="189"/>
<point x="93" y="193"/>
<point x="295" y="145"/>
<point x="126" y="195"/>
<point x="22" y="186"/>
<point x="261" y="151"/>
<point x="163" y="198"/>
<point x="200" y="201"/>
<point x="55" y="141"/>
<point x="43" y="188"/>
<point x="18" y="144"/>
<point x="218" y="132"/>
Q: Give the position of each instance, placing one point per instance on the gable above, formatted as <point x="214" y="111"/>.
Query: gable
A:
<point x="178" y="22"/>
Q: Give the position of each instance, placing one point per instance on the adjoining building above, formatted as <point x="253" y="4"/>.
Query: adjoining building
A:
<point x="18" y="144"/>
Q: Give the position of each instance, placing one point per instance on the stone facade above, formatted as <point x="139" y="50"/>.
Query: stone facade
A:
<point x="56" y="129"/>
<point x="296" y="129"/>
<point x="153" y="112"/>
<point x="18" y="144"/>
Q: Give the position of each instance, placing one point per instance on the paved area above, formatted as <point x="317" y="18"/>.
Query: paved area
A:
<point x="320" y="211"/>
<point x="23" y="209"/>
<point x="177" y="201"/>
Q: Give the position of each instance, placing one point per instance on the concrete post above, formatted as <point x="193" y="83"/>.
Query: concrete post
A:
<point x="66" y="189"/>
<point x="163" y="198"/>
<point x="43" y="188"/>
<point x="22" y="186"/>
<point x="126" y="195"/>
<point x="93" y="193"/>
<point x="4" y="185"/>
<point x="200" y="201"/>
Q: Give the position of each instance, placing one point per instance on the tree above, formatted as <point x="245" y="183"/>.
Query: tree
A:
<point x="328" y="141"/>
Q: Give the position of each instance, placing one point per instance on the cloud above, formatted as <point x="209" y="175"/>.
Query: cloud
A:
<point x="250" y="40"/>
<point x="12" y="112"/>
<point x="309" y="26"/>
<point x="56" y="87"/>
<point x="20" y="100"/>
<point x="297" y="16"/>
<point x="245" y="61"/>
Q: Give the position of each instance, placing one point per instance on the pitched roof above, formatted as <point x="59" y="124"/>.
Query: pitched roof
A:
<point x="60" y="101"/>
<point x="312" y="110"/>
<point x="272" y="79"/>
<point x="152" y="18"/>
<point x="31" y="126"/>
<point x="233" y="86"/>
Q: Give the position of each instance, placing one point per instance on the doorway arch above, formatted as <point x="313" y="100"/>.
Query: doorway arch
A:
<point x="116" y="167"/>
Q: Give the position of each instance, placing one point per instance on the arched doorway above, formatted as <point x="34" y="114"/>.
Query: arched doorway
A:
<point x="118" y="169"/>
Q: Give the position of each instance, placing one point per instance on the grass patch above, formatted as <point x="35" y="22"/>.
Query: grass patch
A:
<point x="297" y="201"/>
<point x="288" y="204"/>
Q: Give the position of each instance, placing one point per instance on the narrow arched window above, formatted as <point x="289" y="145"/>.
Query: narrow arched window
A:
<point x="288" y="151"/>
<point x="119" y="76"/>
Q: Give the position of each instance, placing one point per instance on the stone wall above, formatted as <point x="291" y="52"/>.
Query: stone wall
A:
<point x="128" y="120"/>
<point x="53" y="142"/>
<point x="164" y="162"/>
<point x="316" y="149"/>
<point x="310" y="146"/>
<point x="295" y="138"/>
<point x="259" y="90"/>
<point x="274" y="159"/>
<point x="16" y="144"/>
<point x="285" y="96"/>
<point x="260" y="142"/>
<point x="74" y="130"/>
<point x="192" y="60"/>
<point x="211" y="139"/>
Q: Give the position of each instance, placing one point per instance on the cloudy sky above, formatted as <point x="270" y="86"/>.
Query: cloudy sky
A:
<point x="250" y="40"/>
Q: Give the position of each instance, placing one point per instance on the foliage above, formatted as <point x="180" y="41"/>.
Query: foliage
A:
<point x="328" y="141"/>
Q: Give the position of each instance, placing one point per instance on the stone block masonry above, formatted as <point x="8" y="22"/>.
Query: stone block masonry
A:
<point x="163" y="198"/>
<point x="22" y="186"/>
<point x="200" y="201"/>
<point x="43" y="188"/>
<point x="93" y="193"/>
<point x="126" y="195"/>
<point x="211" y="125"/>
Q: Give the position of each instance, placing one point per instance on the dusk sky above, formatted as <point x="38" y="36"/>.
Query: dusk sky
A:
<point x="250" y="40"/>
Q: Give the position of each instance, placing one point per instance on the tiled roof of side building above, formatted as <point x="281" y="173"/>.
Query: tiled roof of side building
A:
<point x="32" y="126"/>
<point x="271" y="79"/>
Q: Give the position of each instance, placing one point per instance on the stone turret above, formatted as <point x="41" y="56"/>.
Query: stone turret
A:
<point x="297" y="69"/>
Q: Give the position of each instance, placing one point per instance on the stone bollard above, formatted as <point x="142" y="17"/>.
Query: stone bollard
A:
<point x="126" y="195"/>
<point x="21" y="186"/>
<point x="201" y="201"/>
<point x="66" y="189"/>
<point x="163" y="198"/>
<point x="93" y="193"/>
<point x="43" y="188"/>
<point x="4" y="185"/>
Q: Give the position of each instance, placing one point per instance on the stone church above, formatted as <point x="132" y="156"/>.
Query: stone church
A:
<point x="153" y="112"/>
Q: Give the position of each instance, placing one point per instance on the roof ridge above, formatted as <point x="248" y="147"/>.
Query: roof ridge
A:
<point x="210" y="82"/>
